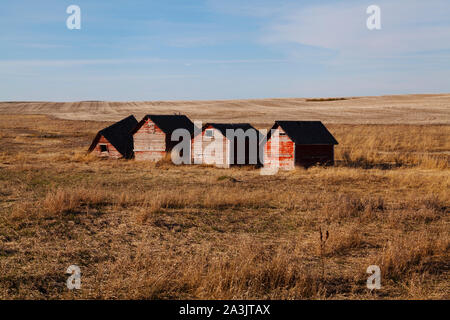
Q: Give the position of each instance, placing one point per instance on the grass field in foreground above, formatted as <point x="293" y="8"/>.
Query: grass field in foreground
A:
<point x="143" y="230"/>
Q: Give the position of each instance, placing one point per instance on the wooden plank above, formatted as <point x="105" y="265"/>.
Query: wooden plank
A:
<point x="149" y="142"/>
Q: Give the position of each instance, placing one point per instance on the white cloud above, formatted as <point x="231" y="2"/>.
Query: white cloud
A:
<point x="407" y="26"/>
<point x="252" y="8"/>
<point x="82" y="62"/>
<point x="74" y="62"/>
<point x="186" y="42"/>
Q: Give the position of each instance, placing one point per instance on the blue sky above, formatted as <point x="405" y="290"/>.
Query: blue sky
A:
<point x="228" y="49"/>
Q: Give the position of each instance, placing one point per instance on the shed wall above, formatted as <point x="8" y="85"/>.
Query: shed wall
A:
<point x="112" y="151"/>
<point x="307" y="155"/>
<point x="209" y="154"/>
<point x="149" y="142"/>
<point x="280" y="147"/>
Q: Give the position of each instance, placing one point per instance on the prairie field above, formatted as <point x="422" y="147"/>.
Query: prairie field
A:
<point x="142" y="230"/>
<point x="391" y="109"/>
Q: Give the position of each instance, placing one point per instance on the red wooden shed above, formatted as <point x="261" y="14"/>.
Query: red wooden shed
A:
<point x="116" y="140"/>
<point x="152" y="136"/>
<point x="304" y="143"/>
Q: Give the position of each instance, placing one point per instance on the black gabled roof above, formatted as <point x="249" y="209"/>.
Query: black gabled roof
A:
<point x="119" y="135"/>
<point x="222" y="127"/>
<point x="305" y="132"/>
<point x="168" y="123"/>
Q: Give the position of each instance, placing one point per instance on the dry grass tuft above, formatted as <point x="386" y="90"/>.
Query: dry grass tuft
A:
<point x="349" y="206"/>
<point x="62" y="201"/>
<point x="405" y="255"/>
<point x="341" y="242"/>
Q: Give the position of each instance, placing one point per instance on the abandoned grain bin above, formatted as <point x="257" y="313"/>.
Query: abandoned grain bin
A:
<point x="226" y="144"/>
<point x="116" y="140"/>
<point x="152" y="135"/>
<point x="304" y="143"/>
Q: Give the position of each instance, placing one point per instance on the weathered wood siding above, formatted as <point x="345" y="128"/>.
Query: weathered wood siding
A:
<point x="284" y="151"/>
<point x="111" y="153"/>
<point x="308" y="155"/>
<point x="209" y="154"/>
<point x="149" y="142"/>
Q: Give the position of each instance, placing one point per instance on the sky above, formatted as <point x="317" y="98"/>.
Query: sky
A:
<point x="143" y="50"/>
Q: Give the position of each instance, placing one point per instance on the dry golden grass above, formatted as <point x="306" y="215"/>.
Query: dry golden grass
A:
<point x="424" y="146"/>
<point x="156" y="231"/>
